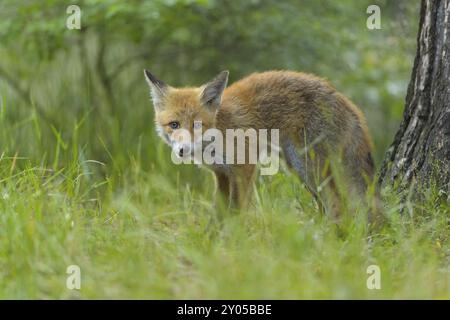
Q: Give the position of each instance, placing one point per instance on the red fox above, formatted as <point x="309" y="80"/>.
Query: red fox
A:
<point x="318" y="128"/>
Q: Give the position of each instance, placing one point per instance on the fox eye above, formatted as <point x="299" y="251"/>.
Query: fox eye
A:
<point x="174" y="125"/>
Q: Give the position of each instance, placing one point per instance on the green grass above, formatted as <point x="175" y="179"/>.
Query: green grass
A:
<point x="84" y="180"/>
<point x="143" y="235"/>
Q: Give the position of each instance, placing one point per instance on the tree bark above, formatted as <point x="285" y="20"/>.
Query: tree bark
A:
<point x="420" y="153"/>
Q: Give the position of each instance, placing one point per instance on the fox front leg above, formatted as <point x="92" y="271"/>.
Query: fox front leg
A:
<point x="242" y="180"/>
<point x="235" y="187"/>
<point x="223" y="190"/>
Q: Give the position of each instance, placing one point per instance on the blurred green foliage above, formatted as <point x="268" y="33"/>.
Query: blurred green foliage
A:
<point x="87" y="84"/>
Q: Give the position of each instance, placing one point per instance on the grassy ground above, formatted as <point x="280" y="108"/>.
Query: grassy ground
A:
<point x="85" y="181"/>
<point x="141" y="235"/>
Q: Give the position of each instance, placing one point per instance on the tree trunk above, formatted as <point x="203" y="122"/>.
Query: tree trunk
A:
<point x="420" y="152"/>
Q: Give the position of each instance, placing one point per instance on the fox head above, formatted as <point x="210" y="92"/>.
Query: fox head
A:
<point x="181" y="110"/>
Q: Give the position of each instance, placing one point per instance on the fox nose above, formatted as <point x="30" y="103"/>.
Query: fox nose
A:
<point x="180" y="152"/>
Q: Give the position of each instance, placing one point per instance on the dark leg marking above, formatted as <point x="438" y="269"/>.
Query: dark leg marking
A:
<point x="293" y="160"/>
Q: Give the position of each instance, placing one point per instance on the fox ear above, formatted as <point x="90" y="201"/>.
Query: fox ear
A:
<point x="212" y="92"/>
<point x="158" y="89"/>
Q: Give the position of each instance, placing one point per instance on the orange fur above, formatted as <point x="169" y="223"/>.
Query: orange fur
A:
<point x="308" y="112"/>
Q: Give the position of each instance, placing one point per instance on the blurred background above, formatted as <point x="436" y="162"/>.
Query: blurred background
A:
<point x="85" y="180"/>
<point x="80" y="94"/>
